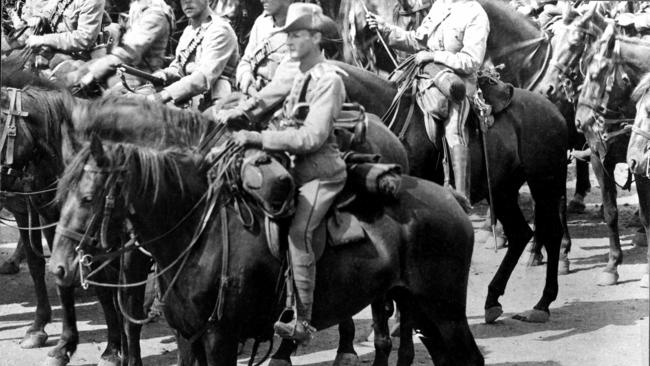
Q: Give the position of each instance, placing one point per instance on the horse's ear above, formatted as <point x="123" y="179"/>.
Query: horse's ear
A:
<point x="609" y="36"/>
<point x="97" y="150"/>
<point x="568" y="13"/>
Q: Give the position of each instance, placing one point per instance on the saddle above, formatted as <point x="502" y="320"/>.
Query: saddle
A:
<point x="496" y="93"/>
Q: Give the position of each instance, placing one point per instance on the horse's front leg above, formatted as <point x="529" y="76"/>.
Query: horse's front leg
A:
<point x="132" y="299"/>
<point x="643" y="191"/>
<point x="345" y="354"/>
<point x="220" y="346"/>
<point x="111" y="355"/>
<point x="605" y="173"/>
<point x="382" y="309"/>
<point x="35" y="335"/>
<point x="69" y="339"/>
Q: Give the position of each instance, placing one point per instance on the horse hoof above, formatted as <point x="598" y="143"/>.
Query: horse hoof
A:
<point x="35" y="339"/>
<point x="279" y="362"/>
<point x="576" y="207"/>
<point x="112" y="360"/>
<point x="640" y="239"/>
<point x="563" y="267"/>
<point x="492" y="314"/>
<point x="533" y="316"/>
<point x="57" y="361"/>
<point x="535" y="259"/>
<point x="9" y="267"/>
<point x="608" y="278"/>
<point x="346" y="359"/>
<point x="644" y="281"/>
<point x="501" y="242"/>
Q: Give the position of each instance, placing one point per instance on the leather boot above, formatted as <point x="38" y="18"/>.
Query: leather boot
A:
<point x="299" y="329"/>
<point x="460" y="165"/>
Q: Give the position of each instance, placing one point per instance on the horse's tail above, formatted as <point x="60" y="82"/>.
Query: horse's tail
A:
<point x="462" y="201"/>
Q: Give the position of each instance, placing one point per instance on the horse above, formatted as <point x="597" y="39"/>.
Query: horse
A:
<point x="113" y="119"/>
<point x="603" y="112"/>
<point x="228" y="274"/>
<point x="44" y="138"/>
<point x="638" y="156"/>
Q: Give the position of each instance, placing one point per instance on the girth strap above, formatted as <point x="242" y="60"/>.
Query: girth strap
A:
<point x="9" y="134"/>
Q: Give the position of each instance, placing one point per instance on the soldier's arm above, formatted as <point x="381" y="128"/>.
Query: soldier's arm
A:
<point x="88" y="26"/>
<point x="219" y="45"/>
<point x="470" y="57"/>
<point x="324" y="105"/>
<point x="141" y="36"/>
<point x="274" y="93"/>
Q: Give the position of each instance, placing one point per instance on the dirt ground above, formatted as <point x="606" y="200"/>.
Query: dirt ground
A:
<point x="589" y="325"/>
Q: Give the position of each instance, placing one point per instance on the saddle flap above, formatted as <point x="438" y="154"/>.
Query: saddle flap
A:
<point x="344" y="228"/>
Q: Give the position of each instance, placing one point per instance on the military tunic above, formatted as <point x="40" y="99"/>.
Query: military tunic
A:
<point x="457" y="32"/>
<point x="264" y="51"/>
<point x="78" y="28"/>
<point x="210" y="67"/>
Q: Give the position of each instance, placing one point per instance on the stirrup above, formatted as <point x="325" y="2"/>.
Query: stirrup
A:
<point x="299" y="331"/>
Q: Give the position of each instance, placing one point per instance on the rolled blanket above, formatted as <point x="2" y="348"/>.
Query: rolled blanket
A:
<point x="375" y="178"/>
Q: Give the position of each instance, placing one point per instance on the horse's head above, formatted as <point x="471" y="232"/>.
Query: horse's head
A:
<point x="571" y="39"/>
<point x="92" y="193"/>
<point x="638" y="150"/>
<point x="266" y="179"/>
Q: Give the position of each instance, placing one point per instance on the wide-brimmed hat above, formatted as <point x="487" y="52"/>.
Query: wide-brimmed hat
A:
<point x="306" y="16"/>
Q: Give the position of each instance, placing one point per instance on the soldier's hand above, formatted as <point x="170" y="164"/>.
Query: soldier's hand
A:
<point x="34" y="22"/>
<point x="424" y="57"/>
<point x="34" y="42"/>
<point x="245" y="81"/>
<point x="374" y="21"/>
<point x="246" y="138"/>
<point x="226" y="115"/>
<point x="161" y="74"/>
<point x="625" y="19"/>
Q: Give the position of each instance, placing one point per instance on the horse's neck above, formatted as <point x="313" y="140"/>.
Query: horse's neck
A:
<point x="635" y="55"/>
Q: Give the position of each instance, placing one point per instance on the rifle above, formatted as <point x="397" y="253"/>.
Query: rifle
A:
<point x="155" y="80"/>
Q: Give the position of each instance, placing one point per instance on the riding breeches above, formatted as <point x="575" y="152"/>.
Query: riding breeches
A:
<point x="455" y="127"/>
<point x="314" y="200"/>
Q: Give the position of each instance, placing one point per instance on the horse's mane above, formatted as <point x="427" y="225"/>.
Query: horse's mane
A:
<point x="642" y="88"/>
<point x="146" y="169"/>
<point x="122" y="119"/>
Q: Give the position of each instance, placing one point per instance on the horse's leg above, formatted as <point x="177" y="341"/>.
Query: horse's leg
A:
<point x="382" y="341"/>
<point x="583" y="186"/>
<point x="406" y="351"/>
<point x="220" y="347"/>
<point x="345" y="354"/>
<point x="643" y="191"/>
<point x="136" y="265"/>
<point x="69" y="339"/>
<point x="282" y="356"/>
<point x="111" y="355"/>
<point x="565" y="246"/>
<point x="12" y="265"/>
<point x="518" y="233"/>
<point x="35" y="336"/>
<point x="605" y="173"/>
<point x="185" y="351"/>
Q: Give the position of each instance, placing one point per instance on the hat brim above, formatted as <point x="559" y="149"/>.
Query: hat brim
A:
<point x="301" y="23"/>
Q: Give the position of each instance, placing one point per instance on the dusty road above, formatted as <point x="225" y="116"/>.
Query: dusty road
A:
<point x="589" y="325"/>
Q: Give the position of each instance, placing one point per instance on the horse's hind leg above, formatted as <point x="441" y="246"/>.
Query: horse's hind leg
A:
<point x="519" y="233"/>
<point x="282" y="356"/>
<point x="605" y="172"/>
<point x="643" y="190"/>
<point x="346" y="355"/>
<point x="406" y="351"/>
<point x="583" y="186"/>
<point x="35" y="335"/>
<point x="565" y="246"/>
<point x="382" y="341"/>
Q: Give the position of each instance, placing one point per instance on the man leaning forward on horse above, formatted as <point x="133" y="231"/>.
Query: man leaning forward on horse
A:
<point x="453" y="34"/>
<point x="319" y="169"/>
<point x="143" y="44"/>
<point x="206" y="57"/>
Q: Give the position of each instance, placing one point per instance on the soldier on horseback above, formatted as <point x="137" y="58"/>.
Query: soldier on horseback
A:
<point x="74" y="27"/>
<point x="319" y="169"/>
<point x="206" y="57"/>
<point x="143" y="44"/>
<point x="265" y="49"/>
<point x="453" y="34"/>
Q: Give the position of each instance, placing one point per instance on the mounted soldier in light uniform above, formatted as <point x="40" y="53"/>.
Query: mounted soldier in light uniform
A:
<point x="203" y="70"/>
<point x="143" y="45"/>
<point x="319" y="169"/>
<point x="75" y="27"/>
<point x="453" y="34"/>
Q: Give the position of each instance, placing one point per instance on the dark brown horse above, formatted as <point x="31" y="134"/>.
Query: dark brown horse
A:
<point x="604" y="109"/>
<point x="236" y="255"/>
<point x="526" y="144"/>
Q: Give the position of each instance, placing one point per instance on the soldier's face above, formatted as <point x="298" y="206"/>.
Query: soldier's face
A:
<point x="194" y="8"/>
<point x="275" y="7"/>
<point x="302" y="43"/>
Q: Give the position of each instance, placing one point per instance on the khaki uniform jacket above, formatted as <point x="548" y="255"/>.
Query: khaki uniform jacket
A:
<point x="144" y="44"/>
<point x="79" y="26"/>
<point x="261" y="36"/>
<point x="211" y="67"/>
<point x="457" y="32"/>
<point x="312" y="141"/>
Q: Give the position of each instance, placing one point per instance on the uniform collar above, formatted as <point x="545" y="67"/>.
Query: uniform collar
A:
<point x="208" y="20"/>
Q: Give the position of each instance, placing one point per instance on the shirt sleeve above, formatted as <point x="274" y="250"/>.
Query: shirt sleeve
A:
<point x="141" y="36"/>
<point x="219" y="44"/>
<point x="470" y="57"/>
<point x="275" y="92"/>
<point x="407" y="41"/>
<point x="324" y="105"/>
<point x="88" y="26"/>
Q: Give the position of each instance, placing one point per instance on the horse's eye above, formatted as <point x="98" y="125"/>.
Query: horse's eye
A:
<point x="86" y="199"/>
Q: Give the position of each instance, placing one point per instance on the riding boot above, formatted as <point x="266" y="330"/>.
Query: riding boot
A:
<point x="304" y="273"/>
<point x="460" y="165"/>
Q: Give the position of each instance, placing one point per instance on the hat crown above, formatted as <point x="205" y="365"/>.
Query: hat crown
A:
<point x="305" y="16"/>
